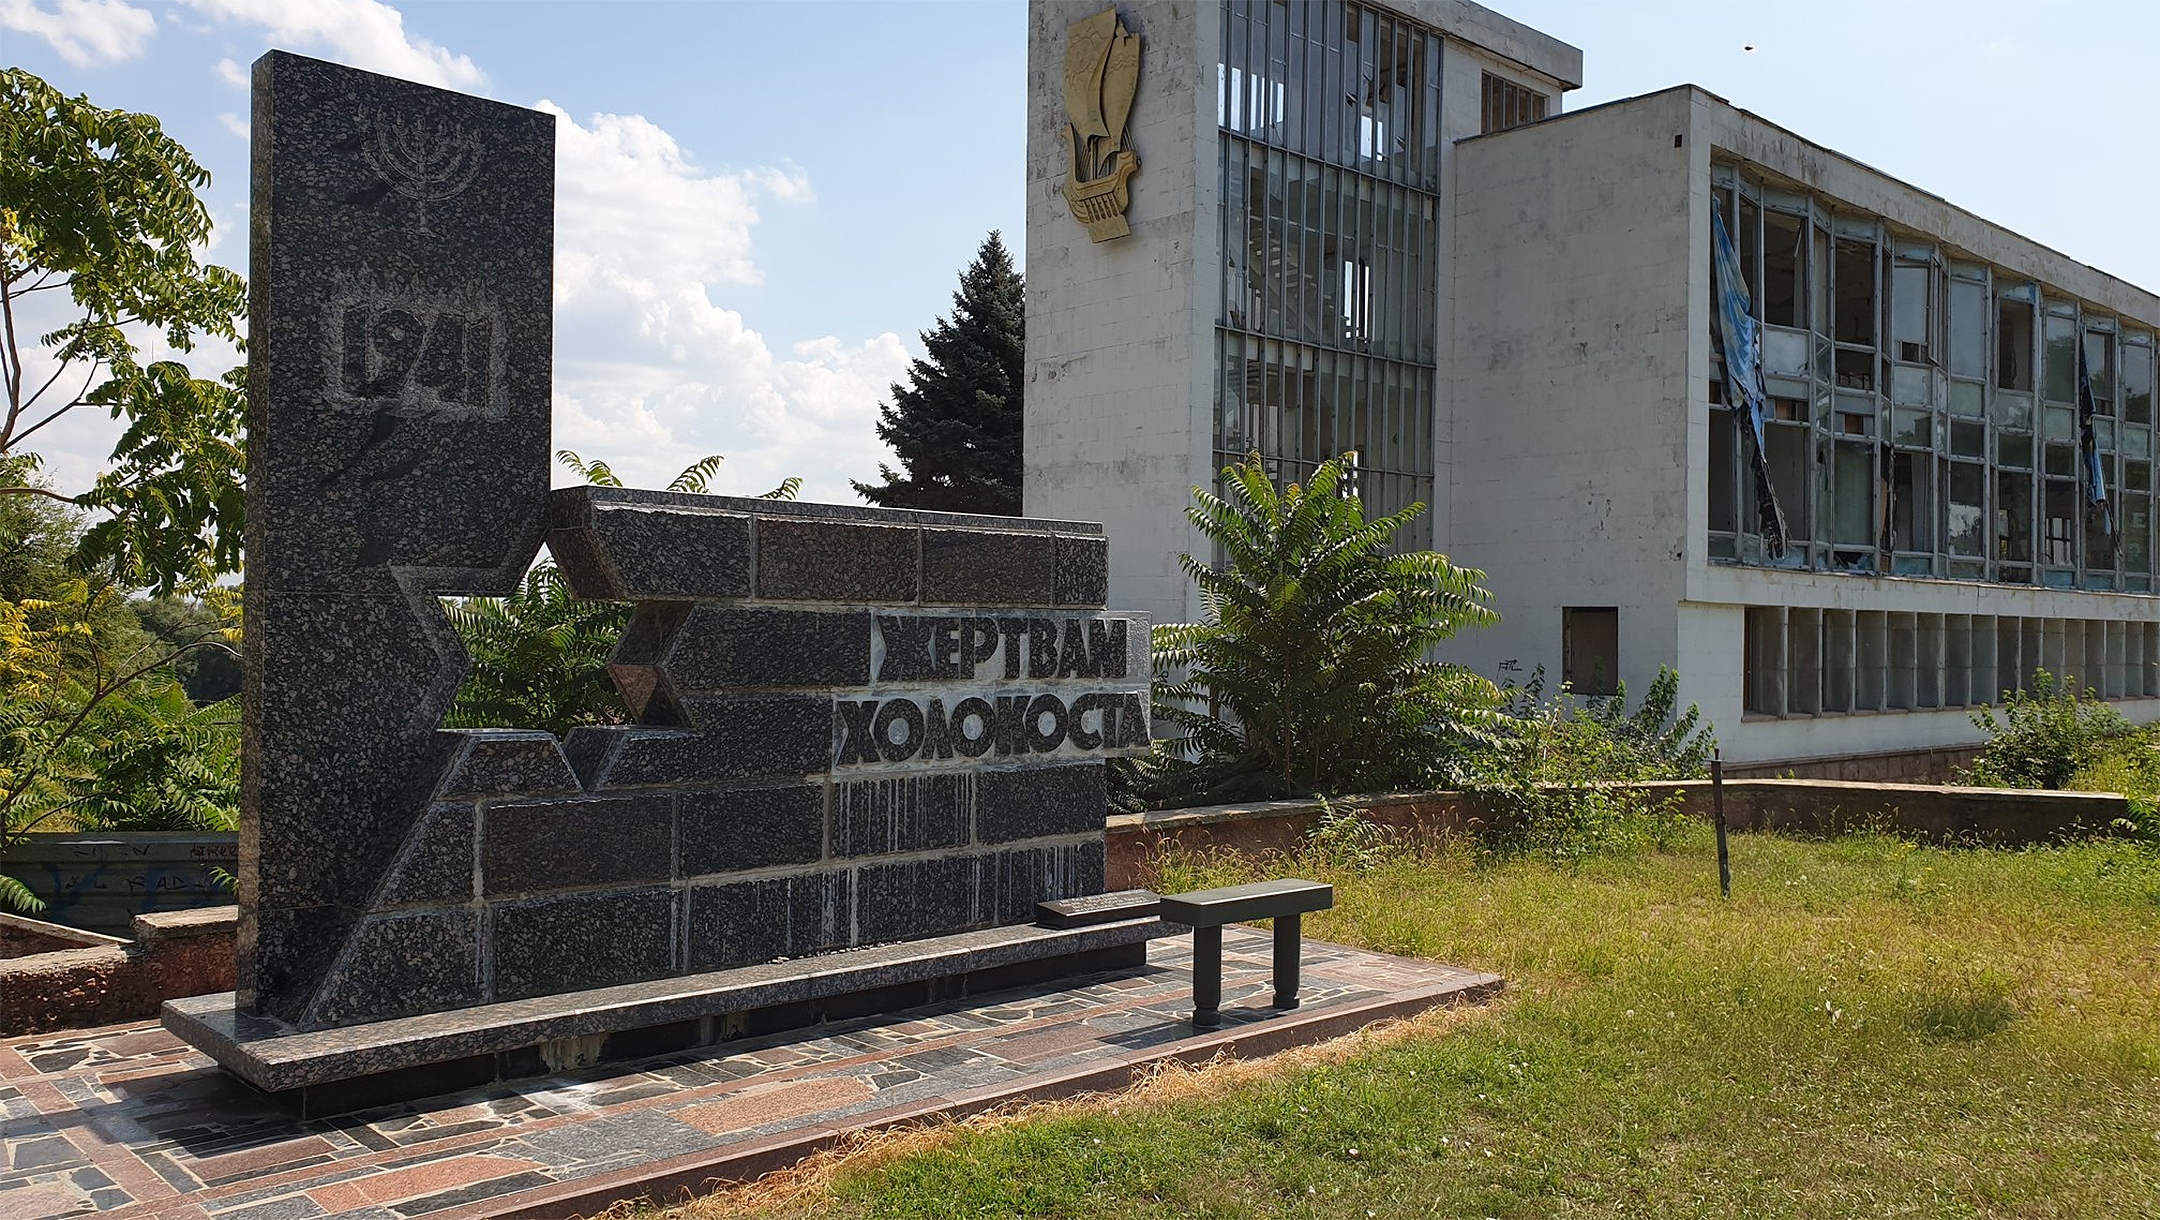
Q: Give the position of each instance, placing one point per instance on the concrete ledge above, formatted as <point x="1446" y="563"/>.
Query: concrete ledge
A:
<point x="22" y="936"/>
<point x="106" y="979"/>
<point x="461" y="1047"/>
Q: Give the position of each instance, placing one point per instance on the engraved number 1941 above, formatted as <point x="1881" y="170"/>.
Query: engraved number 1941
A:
<point x="402" y="352"/>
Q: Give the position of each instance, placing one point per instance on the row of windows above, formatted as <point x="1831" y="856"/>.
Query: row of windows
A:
<point x="1820" y="662"/>
<point x="1925" y="415"/>
<point x="1297" y="406"/>
<point x="1330" y="151"/>
<point x="1346" y="84"/>
<point x="1504" y="104"/>
<point x="1326" y="256"/>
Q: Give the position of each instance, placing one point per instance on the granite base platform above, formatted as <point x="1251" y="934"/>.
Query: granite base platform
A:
<point x="330" y="1071"/>
<point x="129" y="1122"/>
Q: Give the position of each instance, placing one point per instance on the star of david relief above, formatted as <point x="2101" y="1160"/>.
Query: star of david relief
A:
<point x="840" y="726"/>
<point x="839" y="732"/>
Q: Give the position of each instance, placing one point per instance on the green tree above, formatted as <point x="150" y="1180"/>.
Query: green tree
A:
<point x="206" y="674"/>
<point x="956" y="428"/>
<point x="1313" y="671"/>
<point x="99" y="228"/>
<point x="539" y="657"/>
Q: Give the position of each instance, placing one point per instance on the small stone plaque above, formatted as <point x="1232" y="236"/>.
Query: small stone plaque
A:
<point x="1097" y="908"/>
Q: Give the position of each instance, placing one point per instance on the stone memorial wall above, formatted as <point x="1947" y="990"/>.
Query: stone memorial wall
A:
<point x="400" y="353"/>
<point x="846" y="726"/>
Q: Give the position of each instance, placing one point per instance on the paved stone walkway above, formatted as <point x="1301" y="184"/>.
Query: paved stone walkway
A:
<point x="127" y="1121"/>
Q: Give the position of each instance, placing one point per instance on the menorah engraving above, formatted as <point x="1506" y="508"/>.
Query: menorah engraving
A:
<point x="424" y="162"/>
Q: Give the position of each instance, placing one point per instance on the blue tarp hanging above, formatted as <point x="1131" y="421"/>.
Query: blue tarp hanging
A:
<point x="2096" y="494"/>
<point x="1742" y="343"/>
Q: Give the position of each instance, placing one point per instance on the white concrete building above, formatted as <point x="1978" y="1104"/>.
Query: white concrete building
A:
<point x="1371" y="227"/>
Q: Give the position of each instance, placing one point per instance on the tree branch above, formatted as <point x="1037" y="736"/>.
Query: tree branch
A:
<point x="14" y="381"/>
<point x="102" y="690"/>
<point x="38" y="491"/>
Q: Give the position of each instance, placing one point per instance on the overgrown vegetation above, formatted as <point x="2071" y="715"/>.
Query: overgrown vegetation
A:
<point x="1560" y="777"/>
<point x="2052" y="736"/>
<point x="97" y="731"/>
<point x="1313" y="676"/>
<point x="100" y="233"/>
<point x="1867" y="1028"/>
<point x="1312" y="672"/>
<point x="2046" y="735"/>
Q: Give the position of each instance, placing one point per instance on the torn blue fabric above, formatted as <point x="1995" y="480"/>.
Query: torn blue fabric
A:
<point x="2096" y="493"/>
<point x="1742" y="343"/>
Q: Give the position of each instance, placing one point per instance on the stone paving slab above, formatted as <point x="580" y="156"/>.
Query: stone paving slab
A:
<point x="128" y="1121"/>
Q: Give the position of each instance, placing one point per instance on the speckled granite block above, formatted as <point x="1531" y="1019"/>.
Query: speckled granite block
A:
<point x="1038" y="802"/>
<point x="576" y="841"/>
<point x="400" y="334"/>
<point x="837" y="561"/>
<point x="733" y="829"/>
<point x="547" y="946"/>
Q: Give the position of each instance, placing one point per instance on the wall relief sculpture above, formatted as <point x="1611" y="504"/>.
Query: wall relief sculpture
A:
<point x="1102" y="72"/>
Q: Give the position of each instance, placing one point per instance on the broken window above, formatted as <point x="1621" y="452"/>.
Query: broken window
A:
<point x="1912" y="311"/>
<point x="2137" y="379"/>
<point x="1965" y="511"/>
<point x="1855" y="291"/>
<point x="1748" y="240"/>
<point x="2137" y="542"/>
<point x="1923" y="413"/>
<point x="1785" y="452"/>
<point x="1968" y="329"/>
<point x="1590" y="649"/>
<point x="2099" y="539"/>
<point x="2059" y="339"/>
<point x="1784" y="290"/>
<point x="2014" y="339"/>
<point x="1912" y="509"/>
<point x="1853" y="486"/>
<point x="1818" y="280"/>
<point x="2100" y="368"/>
<point x="2013" y="518"/>
<point x="1855" y="370"/>
<point x="2059" y="513"/>
<point x="1723" y="501"/>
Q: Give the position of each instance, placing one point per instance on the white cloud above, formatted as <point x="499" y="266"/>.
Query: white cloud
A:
<point x="83" y="32"/>
<point x="364" y="33"/>
<point x="232" y="73"/>
<point x="652" y="372"/>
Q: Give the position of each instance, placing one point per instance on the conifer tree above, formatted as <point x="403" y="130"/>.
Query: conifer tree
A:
<point x="956" y="427"/>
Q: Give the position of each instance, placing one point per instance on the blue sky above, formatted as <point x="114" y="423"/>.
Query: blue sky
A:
<point x="761" y="204"/>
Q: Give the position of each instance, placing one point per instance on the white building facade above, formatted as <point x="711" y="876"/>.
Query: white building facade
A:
<point x="1371" y="227"/>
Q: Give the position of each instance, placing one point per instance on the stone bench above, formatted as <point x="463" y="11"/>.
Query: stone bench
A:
<point x="1206" y="911"/>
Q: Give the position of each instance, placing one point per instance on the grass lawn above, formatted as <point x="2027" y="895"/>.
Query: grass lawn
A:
<point x="1867" y="1029"/>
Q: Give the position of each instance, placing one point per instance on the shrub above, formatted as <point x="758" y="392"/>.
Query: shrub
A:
<point x="1312" y="671"/>
<point x="2046" y="735"/>
<point x="1558" y="782"/>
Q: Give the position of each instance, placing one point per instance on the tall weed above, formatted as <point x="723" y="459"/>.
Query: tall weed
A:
<point x="1561" y="783"/>
<point x="2045" y="736"/>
